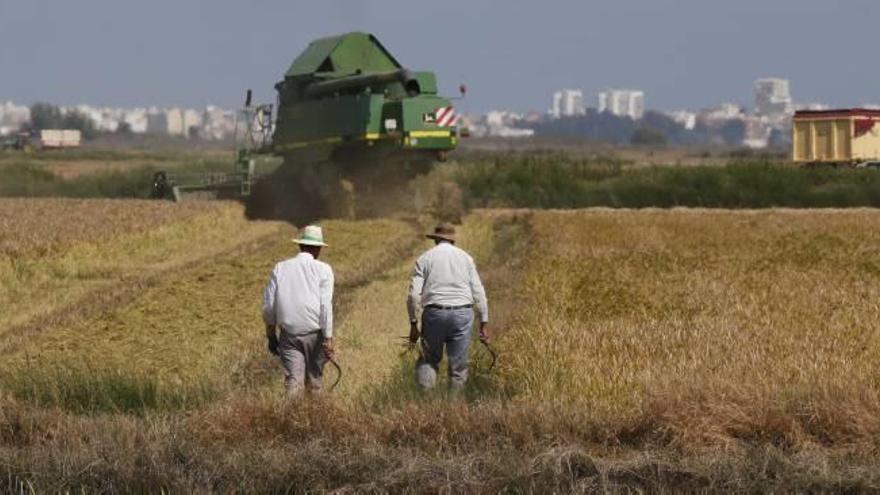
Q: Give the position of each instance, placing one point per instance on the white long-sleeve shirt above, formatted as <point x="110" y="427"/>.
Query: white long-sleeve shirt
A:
<point x="299" y="296"/>
<point x="446" y="275"/>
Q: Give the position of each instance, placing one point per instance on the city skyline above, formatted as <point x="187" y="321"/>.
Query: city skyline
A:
<point x="684" y="54"/>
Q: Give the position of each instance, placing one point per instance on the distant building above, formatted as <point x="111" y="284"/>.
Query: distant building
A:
<point x="498" y="123"/>
<point x="105" y="119"/>
<point x="157" y="121"/>
<point x="12" y="116"/>
<point x="811" y="106"/>
<point x="174" y="117"/>
<point x="217" y="123"/>
<point x="136" y="118"/>
<point x="192" y="121"/>
<point x="686" y="118"/>
<point x="210" y="123"/>
<point x="757" y="132"/>
<point x="772" y="97"/>
<point x="720" y="114"/>
<point x="568" y="103"/>
<point x="502" y="123"/>
<point x="623" y="103"/>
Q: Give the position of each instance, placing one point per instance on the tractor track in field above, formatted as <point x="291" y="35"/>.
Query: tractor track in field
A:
<point x="115" y="294"/>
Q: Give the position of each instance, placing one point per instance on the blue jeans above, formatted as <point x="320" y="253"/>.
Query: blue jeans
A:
<point x="450" y="328"/>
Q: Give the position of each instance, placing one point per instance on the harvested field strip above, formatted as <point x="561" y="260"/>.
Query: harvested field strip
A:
<point x="41" y="276"/>
<point x="376" y="367"/>
<point x="190" y="335"/>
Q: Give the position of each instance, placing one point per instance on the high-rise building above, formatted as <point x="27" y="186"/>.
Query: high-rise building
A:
<point x="772" y="96"/>
<point x="568" y="103"/>
<point x="623" y="103"/>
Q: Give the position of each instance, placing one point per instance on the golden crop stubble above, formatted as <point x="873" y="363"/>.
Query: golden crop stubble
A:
<point x="57" y="251"/>
<point x="201" y="328"/>
<point x="635" y="305"/>
<point x="32" y="227"/>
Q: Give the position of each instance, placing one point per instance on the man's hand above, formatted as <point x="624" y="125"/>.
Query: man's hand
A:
<point x="271" y="339"/>
<point x="414" y="333"/>
<point x="485" y="334"/>
<point x="327" y="347"/>
<point x="272" y="344"/>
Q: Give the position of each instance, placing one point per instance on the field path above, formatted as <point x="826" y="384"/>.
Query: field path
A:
<point x="378" y="371"/>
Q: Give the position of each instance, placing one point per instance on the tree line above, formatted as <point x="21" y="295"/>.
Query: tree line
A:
<point x="48" y="116"/>
<point x="654" y="128"/>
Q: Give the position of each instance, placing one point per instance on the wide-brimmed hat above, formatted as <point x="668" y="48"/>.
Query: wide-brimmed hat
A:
<point x="311" y="235"/>
<point x="443" y="232"/>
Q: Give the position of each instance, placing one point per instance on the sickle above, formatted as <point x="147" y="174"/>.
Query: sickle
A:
<point x="338" y="373"/>
<point x="491" y="353"/>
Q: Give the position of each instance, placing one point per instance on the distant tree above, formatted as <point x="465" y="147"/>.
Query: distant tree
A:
<point x="48" y="116"/>
<point x="124" y="129"/>
<point x="75" y="119"/>
<point x="45" y="116"/>
<point x="611" y="128"/>
<point x="733" y="132"/>
<point x="779" y="140"/>
<point x="647" y="136"/>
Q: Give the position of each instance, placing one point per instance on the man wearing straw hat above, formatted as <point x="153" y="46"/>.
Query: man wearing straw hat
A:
<point x="445" y="283"/>
<point x="298" y="301"/>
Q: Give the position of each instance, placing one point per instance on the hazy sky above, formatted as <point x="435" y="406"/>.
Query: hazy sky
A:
<point x="511" y="53"/>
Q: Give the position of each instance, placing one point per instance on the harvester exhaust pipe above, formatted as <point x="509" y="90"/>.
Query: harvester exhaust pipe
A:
<point x="248" y="98"/>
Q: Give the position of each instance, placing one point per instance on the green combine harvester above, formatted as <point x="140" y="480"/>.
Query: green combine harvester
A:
<point x="351" y="122"/>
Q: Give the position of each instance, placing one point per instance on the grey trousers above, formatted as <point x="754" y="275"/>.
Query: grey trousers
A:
<point x="449" y="328"/>
<point x="303" y="359"/>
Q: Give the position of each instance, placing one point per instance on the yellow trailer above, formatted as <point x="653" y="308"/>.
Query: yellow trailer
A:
<point x="836" y="137"/>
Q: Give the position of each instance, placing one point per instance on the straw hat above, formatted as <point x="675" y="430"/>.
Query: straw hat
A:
<point x="311" y="235"/>
<point x="443" y="232"/>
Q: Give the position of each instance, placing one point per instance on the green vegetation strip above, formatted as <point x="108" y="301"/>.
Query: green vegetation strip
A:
<point x="560" y="181"/>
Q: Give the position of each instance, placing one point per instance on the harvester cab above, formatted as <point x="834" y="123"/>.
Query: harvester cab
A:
<point x="348" y="91"/>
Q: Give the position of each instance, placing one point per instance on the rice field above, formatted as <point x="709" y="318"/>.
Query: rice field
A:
<point x="59" y="255"/>
<point x="653" y="350"/>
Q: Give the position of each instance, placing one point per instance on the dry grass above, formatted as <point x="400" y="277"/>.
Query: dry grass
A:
<point x="721" y="327"/>
<point x="647" y="350"/>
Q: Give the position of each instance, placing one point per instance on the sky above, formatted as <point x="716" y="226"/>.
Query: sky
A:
<point x="510" y="53"/>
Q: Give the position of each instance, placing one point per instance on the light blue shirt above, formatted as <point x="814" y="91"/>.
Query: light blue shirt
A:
<point x="446" y="275"/>
<point x="299" y="296"/>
